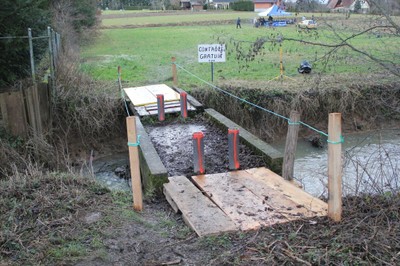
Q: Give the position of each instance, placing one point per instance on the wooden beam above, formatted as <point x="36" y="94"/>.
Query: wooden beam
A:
<point x="335" y="167"/>
<point x="134" y="163"/>
<point x="290" y="146"/>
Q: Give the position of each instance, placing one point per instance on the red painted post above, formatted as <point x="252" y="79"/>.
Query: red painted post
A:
<point x="160" y="107"/>
<point x="183" y="99"/>
<point x="198" y="152"/>
<point x="233" y="148"/>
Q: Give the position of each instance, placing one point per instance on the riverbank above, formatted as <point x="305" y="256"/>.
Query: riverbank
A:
<point x="364" y="104"/>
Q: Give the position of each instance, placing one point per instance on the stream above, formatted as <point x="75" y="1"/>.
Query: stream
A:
<point x="371" y="163"/>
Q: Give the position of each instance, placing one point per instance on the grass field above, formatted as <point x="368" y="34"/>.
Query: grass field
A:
<point x="144" y="53"/>
<point x="151" y="17"/>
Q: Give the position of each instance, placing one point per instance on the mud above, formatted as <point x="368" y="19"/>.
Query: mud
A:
<point x="173" y="142"/>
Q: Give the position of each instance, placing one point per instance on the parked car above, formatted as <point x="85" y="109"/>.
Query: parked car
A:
<point x="307" y="24"/>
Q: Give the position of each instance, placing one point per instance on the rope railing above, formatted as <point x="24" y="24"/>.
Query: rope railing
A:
<point x="252" y="104"/>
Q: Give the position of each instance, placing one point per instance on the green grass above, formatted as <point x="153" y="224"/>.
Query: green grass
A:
<point x="145" y="53"/>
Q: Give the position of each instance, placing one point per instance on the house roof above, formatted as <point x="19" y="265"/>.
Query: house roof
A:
<point x="339" y="3"/>
<point x="265" y="1"/>
<point x="224" y="1"/>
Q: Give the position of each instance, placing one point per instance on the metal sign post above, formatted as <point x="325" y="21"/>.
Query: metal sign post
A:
<point x="210" y="53"/>
<point x="212" y="71"/>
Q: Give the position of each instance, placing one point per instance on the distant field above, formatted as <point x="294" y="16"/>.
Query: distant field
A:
<point x="151" y="17"/>
<point x="145" y="52"/>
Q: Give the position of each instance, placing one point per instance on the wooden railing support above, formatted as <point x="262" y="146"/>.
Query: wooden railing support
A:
<point x="290" y="146"/>
<point x="174" y="72"/>
<point x="133" y="144"/>
<point x="335" y="167"/>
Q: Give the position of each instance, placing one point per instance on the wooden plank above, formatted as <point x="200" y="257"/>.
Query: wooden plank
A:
<point x="140" y="96"/>
<point x="297" y="195"/>
<point x="134" y="163"/>
<point x="245" y="208"/>
<point x="198" y="211"/>
<point x="44" y="101"/>
<point x="146" y="95"/>
<point x="3" y="109"/>
<point x="335" y="167"/>
<point x="279" y="205"/>
<point x="168" y="105"/>
<point x="14" y="113"/>
<point x="169" y="93"/>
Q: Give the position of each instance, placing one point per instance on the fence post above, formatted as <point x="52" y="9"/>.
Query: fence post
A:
<point x="198" y="152"/>
<point x="291" y="146"/>
<point x="183" y="102"/>
<point x="160" y="107"/>
<point x="119" y="80"/>
<point x="37" y="125"/>
<point x="51" y="63"/>
<point x="133" y="144"/>
<point x="233" y="149"/>
<point x="335" y="167"/>
<point x="174" y="72"/>
<point x="31" y="55"/>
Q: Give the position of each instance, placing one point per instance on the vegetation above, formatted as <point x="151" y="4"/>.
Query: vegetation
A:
<point x="242" y="6"/>
<point x="52" y="218"/>
<point x="252" y="53"/>
<point x="16" y="16"/>
<point x="19" y="15"/>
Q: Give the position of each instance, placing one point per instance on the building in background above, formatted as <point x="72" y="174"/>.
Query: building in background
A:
<point x="262" y="5"/>
<point x="349" y="6"/>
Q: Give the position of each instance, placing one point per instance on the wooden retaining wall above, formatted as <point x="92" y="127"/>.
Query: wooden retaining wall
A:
<point x="26" y="109"/>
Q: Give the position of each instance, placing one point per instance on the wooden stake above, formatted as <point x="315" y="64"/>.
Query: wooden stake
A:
<point x="174" y="72"/>
<point x="335" y="167"/>
<point x="291" y="146"/>
<point x="134" y="163"/>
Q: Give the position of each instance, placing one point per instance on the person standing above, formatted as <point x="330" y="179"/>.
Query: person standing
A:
<point x="238" y="23"/>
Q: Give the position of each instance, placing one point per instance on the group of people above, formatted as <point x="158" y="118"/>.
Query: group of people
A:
<point x="262" y="22"/>
<point x="257" y="22"/>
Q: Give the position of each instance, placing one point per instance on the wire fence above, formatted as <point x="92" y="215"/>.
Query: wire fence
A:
<point x="253" y="104"/>
<point x="52" y="42"/>
<point x="33" y="103"/>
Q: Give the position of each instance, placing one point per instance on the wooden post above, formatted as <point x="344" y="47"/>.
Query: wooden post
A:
<point x="119" y="79"/>
<point x="174" y="72"/>
<point x="134" y="163"/>
<point x="335" y="167"/>
<point x="291" y="146"/>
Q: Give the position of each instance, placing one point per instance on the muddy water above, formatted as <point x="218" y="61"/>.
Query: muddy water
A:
<point x="371" y="163"/>
<point x="113" y="171"/>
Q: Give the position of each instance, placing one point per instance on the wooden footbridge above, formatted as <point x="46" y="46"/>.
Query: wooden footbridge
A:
<point x="239" y="200"/>
<point x="215" y="203"/>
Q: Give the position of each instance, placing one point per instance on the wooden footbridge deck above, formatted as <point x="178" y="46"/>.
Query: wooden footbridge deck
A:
<point x="239" y="200"/>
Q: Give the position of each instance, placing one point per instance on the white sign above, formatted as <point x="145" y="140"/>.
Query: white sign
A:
<point x="211" y="53"/>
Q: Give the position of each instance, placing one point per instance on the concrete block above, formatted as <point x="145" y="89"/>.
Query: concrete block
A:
<point x="154" y="173"/>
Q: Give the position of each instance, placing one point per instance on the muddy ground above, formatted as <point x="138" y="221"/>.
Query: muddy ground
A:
<point x="173" y="142"/>
<point x="369" y="234"/>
